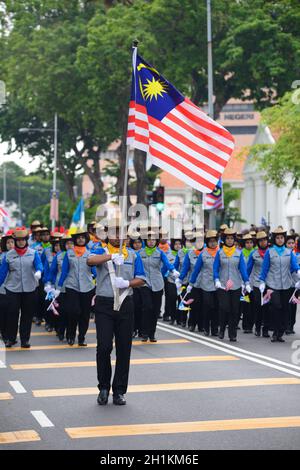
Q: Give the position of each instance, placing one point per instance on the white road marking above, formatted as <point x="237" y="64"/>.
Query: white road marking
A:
<point x="226" y="349"/>
<point x="234" y="348"/>
<point x="17" y="386"/>
<point x="42" y="419"/>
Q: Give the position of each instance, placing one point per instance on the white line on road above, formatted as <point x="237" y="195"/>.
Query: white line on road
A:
<point x="234" y="348"/>
<point x="226" y="349"/>
<point x="42" y="419"/>
<point x="17" y="386"/>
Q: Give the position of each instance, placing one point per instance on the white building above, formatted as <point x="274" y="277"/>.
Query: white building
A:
<point x="278" y="206"/>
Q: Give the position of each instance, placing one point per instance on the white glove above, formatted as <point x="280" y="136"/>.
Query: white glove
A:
<point x="297" y="285"/>
<point x="298" y="273"/>
<point x="262" y="287"/>
<point x="117" y="259"/>
<point x="248" y="288"/>
<point x="218" y="284"/>
<point x="47" y="287"/>
<point x="178" y="283"/>
<point x="189" y="289"/>
<point x="57" y="293"/>
<point x="121" y="283"/>
<point x="38" y="275"/>
<point x="175" y="273"/>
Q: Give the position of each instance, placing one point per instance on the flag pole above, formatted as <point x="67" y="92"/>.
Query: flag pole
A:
<point x="124" y="200"/>
<point x="210" y="81"/>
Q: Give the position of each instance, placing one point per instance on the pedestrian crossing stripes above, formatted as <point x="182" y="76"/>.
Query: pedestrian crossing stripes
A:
<point x="184" y="427"/>
<point x="155" y="360"/>
<point x="92" y="345"/>
<point x="213" y="384"/>
<point x="19" y="436"/>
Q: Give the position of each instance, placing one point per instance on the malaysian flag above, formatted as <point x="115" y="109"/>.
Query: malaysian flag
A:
<point x="214" y="200"/>
<point x="177" y="136"/>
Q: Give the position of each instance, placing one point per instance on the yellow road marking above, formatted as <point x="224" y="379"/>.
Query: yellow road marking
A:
<point x="18" y="436"/>
<point x="157" y="360"/>
<point x="53" y="333"/>
<point x="93" y="345"/>
<point x="64" y="392"/>
<point x="184" y="427"/>
<point x="6" y="396"/>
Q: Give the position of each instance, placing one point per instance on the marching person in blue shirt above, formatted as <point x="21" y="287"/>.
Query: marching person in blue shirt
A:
<point x="276" y="274"/>
<point x="21" y="270"/>
<point x="229" y="274"/>
<point x="77" y="278"/>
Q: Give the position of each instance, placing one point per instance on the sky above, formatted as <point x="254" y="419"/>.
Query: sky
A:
<point x="22" y="160"/>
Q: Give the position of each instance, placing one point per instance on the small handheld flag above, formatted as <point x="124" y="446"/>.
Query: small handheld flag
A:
<point x="214" y="200"/>
<point x="177" y="136"/>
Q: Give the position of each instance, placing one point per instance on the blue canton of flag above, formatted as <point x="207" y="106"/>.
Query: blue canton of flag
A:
<point x="214" y="200"/>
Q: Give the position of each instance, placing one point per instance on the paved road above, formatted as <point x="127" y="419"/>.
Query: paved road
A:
<point x="186" y="392"/>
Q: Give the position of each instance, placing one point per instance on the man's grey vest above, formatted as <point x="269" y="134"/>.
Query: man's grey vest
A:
<point x="181" y="256"/>
<point x="171" y="257"/>
<point x="21" y="272"/>
<point x="127" y="270"/>
<point x="279" y="276"/>
<point x="193" y="260"/>
<point x="80" y="276"/>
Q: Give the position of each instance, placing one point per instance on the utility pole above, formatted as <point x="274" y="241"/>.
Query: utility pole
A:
<point x="4" y="185"/>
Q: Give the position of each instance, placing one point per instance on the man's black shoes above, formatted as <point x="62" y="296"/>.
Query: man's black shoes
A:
<point x="119" y="400"/>
<point x="103" y="397"/>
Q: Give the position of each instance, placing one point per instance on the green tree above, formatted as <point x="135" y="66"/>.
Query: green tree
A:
<point x="230" y="215"/>
<point x="281" y="161"/>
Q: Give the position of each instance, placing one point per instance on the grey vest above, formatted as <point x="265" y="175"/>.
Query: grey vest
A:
<point x="80" y="276"/>
<point x="206" y="277"/>
<point x="256" y="270"/>
<point x="193" y="260"/>
<point x="60" y="259"/>
<point x="279" y="276"/>
<point x="171" y="259"/>
<point x="21" y="272"/>
<point x="181" y="256"/>
<point x="229" y="269"/>
<point x="104" y="287"/>
<point x="152" y="265"/>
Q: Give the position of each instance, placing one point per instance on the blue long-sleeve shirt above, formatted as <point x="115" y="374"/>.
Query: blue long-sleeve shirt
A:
<point x="186" y="266"/>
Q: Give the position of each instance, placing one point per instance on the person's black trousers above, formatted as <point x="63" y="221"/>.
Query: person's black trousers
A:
<point x="196" y="314"/>
<point x="210" y="312"/>
<point x="138" y="309"/>
<point x="248" y="316"/>
<point x="3" y="316"/>
<point x="119" y="325"/>
<point x="167" y="313"/>
<point x="260" y="312"/>
<point x="62" y="319"/>
<point x="26" y="303"/>
<point x="40" y="306"/>
<point x="78" y="307"/>
<point x="229" y="310"/>
<point x="151" y="309"/>
<point x="171" y="301"/>
<point x="279" y="310"/>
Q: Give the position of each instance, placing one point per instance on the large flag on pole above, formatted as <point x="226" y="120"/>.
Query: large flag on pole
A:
<point x="179" y="137"/>
<point x="214" y="200"/>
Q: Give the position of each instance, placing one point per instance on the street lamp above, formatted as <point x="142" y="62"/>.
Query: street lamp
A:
<point x="54" y="197"/>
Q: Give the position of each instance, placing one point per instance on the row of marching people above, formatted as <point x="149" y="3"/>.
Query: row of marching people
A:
<point x="227" y="278"/>
<point x="207" y="284"/>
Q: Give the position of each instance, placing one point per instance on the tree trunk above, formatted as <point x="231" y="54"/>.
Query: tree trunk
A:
<point x="140" y="170"/>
